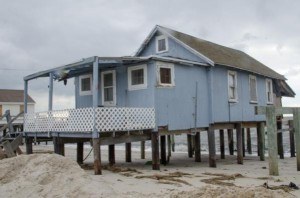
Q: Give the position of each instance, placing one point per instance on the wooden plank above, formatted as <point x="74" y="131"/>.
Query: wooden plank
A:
<point x="197" y="147"/>
<point x="8" y="149"/>
<point x="261" y="110"/>
<point x="218" y="126"/>
<point x="292" y="138"/>
<point x="239" y="143"/>
<point x="249" y="124"/>
<point x="128" y="151"/>
<point x="296" y="115"/>
<point x="211" y="147"/>
<point x="79" y="156"/>
<point x="261" y="140"/>
<point x="8" y="119"/>
<point x="124" y="139"/>
<point x="189" y="145"/>
<point x="249" y="146"/>
<point x="272" y="141"/>
<point x="230" y="141"/>
<point x="163" y="155"/>
<point x="16" y="142"/>
<point x="222" y="144"/>
<point x="155" y="150"/>
<point x="97" y="156"/>
<point x="280" y="138"/>
<point x="142" y="149"/>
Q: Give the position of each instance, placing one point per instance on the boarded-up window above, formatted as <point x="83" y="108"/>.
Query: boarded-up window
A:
<point x="269" y="90"/>
<point x="253" y="88"/>
<point x="232" y="86"/>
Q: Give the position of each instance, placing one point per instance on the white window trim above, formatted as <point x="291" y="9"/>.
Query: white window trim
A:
<point x="235" y="84"/>
<point x="140" y="86"/>
<point x="165" y="65"/>
<point x="166" y="41"/>
<point x="253" y="77"/>
<point x="114" y="102"/>
<point x="272" y="99"/>
<point x="85" y="93"/>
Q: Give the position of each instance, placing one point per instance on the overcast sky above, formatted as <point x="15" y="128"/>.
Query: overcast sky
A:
<point x="38" y="35"/>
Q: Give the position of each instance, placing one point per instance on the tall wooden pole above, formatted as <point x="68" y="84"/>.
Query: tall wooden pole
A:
<point x="169" y="148"/>
<point x="197" y="147"/>
<point x="111" y="154"/>
<point x="163" y="155"/>
<point x="211" y="146"/>
<point x="230" y="141"/>
<point x="243" y="141"/>
<point x="222" y="144"/>
<point x="128" y="151"/>
<point x="28" y="142"/>
<point x="239" y="132"/>
<point x="296" y="115"/>
<point x="190" y="146"/>
<point x="249" y="146"/>
<point x="142" y="149"/>
<point x="280" y="138"/>
<point x="155" y="150"/>
<point x="261" y="142"/>
<point x="79" y="152"/>
<point x="292" y="138"/>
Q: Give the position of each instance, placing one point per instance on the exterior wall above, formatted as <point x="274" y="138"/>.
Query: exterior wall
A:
<point x="124" y="97"/>
<point x="175" y="106"/>
<point x="242" y="110"/>
<point x="175" y="50"/>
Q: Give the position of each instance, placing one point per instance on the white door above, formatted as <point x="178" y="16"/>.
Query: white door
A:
<point x="108" y="87"/>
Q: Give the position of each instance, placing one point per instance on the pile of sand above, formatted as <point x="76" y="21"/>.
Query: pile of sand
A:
<point x="231" y="192"/>
<point x="41" y="175"/>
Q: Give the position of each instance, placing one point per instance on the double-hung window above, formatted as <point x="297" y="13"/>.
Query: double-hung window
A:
<point x="253" y="89"/>
<point x="269" y="91"/>
<point x="165" y="74"/>
<point x="161" y="44"/>
<point x="85" y="85"/>
<point x="137" y="77"/>
<point x="232" y="86"/>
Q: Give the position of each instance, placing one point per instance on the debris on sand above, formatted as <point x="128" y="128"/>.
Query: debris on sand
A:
<point x="220" y="178"/>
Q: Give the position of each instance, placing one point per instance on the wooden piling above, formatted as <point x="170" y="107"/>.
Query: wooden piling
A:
<point x="197" y="147"/>
<point x="249" y="146"/>
<point x="222" y="145"/>
<point x="55" y="145"/>
<point x="28" y="142"/>
<point x="163" y="154"/>
<point x="280" y="138"/>
<point x="142" y="149"/>
<point x="79" y="152"/>
<point x="128" y="151"/>
<point x="272" y="140"/>
<point x="169" y="148"/>
<point x="292" y="138"/>
<point x="296" y="115"/>
<point x="97" y="156"/>
<point x="261" y="138"/>
<point x="243" y="141"/>
<point x="258" y="140"/>
<point x="111" y="154"/>
<point x="211" y="146"/>
<point x="239" y="134"/>
<point x="189" y="144"/>
<point x="173" y="142"/>
<point x="230" y="141"/>
<point x="155" y="150"/>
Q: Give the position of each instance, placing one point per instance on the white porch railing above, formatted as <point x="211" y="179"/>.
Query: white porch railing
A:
<point x="82" y="120"/>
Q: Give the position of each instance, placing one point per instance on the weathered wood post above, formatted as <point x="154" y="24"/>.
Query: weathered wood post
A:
<point x="230" y="141"/>
<point x="292" y="138"/>
<point x="28" y="142"/>
<point x="249" y="146"/>
<point x="173" y="142"/>
<point x="258" y="140"/>
<point x="190" y="146"/>
<point x="222" y="145"/>
<point x="243" y="141"/>
<point x="261" y="138"/>
<point x="239" y="143"/>
<point x="197" y="147"/>
<point x="211" y="146"/>
<point x="80" y="152"/>
<point x="128" y="151"/>
<point x="155" y="150"/>
<point x="111" y="154"/>
<point x="280" y="137"/>
<point x="272" y="140"/>
<point x="142" y="149"/>
<point x="296" y="115"/>
<point x="163" y="154"/>
<point x="169" y="148"/>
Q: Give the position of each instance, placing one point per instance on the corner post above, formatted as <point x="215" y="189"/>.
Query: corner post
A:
<point x="272" y="140"/>
<point x="95" y="134"/>
<point x="296" y="115"/>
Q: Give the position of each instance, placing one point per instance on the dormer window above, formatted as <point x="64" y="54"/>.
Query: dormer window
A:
<point x="161" y="44"/>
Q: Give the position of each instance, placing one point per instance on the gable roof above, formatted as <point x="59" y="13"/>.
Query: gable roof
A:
<point x="218" y="54"/>
<point x="9" y="95"/>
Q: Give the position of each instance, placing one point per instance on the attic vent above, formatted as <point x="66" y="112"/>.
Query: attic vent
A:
<point x="161" y="44"/>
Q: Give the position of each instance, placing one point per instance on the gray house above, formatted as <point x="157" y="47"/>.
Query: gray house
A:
<point x="187" y="84"/>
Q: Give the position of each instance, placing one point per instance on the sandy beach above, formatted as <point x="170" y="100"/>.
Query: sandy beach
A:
<point x="50" y="175"/>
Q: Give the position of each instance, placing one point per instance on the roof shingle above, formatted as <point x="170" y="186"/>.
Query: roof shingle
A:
<point x="9" y="95"/>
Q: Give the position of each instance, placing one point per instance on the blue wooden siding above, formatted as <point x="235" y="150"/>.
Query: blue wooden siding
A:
<point x="175" y="50"/>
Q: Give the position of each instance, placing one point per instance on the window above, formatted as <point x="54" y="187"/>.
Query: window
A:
<point x="232" y="86"/>
<point x="137" y="77"/>
<point x="165" y="74"/>
<point x="161" y="44"/>
<point x="269" y="91"/>
<point x="108" y="88"/>
<point x="85" y="85"/>
<point x="253" y="89"/>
